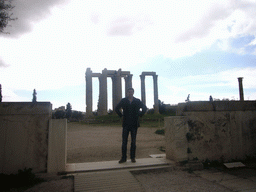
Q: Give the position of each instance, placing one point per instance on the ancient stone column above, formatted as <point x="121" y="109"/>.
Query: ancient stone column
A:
<point x="156" y="105"/>
<point x="117" y="88"/>
<point x="103" y="95"/>
<point x="143" y="94"/>
<point x="128" y="83"/>
<point x="0" y="93"/>
<point x="113" y="92"/>
<point x="241" y="91"/>
<point x="88" y="79"/>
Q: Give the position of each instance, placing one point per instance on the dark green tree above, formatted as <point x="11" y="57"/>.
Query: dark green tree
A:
<point x="162" y="107"/>
<point x="58" y="114"/>
<point x="77" y="115"/>
<point x="68" y="111"/>
<point x="5" y="15"/>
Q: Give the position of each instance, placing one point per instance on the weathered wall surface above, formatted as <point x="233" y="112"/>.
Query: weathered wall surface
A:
<point x="221" y="131"/>
<point x="57" y="148"/>
<point x="24" y="131"/>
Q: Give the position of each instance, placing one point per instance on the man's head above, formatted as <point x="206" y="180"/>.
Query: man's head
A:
<point x="130" y="92"/>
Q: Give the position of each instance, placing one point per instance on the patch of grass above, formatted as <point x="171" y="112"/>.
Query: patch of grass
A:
<point x="148" y="120"/>
<point x="207" y="163"/>
<point x="21" y="181"/>
<point x="161" y="148"/>
<point x="160" y="131"/>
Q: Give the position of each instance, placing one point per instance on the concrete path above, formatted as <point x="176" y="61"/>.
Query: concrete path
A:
<point x="114" y="165"/>
<point x="111" y="181"/>
<point x="112" y="176"/>
<point x="238" y="182"/>
<point x="152" y="174"/>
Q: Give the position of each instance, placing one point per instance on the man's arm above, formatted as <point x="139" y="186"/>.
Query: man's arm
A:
<point x="144" y="109"/>
<point x="118" y="107"/>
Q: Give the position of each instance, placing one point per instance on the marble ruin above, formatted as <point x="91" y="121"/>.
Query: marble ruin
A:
<point x="143" y="92"/>
<point x="241" y="90"/>
<point x="116" y="77"/>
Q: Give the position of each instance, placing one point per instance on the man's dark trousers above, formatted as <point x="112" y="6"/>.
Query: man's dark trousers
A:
<point x="125" y="134"/>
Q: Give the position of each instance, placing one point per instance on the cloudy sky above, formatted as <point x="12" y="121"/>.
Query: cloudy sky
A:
<point x="195" y="47"/>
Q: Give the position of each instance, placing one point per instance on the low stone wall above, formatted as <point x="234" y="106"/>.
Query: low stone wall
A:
<point x="223" y="131"/>
<point x="57" y="150"/>
<point x="24" y="130"/>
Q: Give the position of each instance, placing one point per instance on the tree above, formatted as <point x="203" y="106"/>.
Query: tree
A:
<point x="77" y="115"/>
<point x="162" y="107"/>
<point x="68" y="111"/>
<point x="59" y="114"/>
<point x="5" y="15"/>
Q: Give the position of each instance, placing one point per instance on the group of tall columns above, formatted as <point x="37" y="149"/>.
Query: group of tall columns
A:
<point x="116" y="77"/>
<point x="143" y="90"/>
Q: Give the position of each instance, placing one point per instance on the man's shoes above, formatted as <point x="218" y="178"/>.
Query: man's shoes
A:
<point x="133" y="160"/>
<point x="122" y="161"/>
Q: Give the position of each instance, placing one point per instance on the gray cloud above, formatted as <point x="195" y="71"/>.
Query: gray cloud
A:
<point x="203" y="27"/>
<point x="126" y="26"/>
<point x="121" y="26"/>
<point x="219" y="12"/>
<point x="95" y="18"/>
<point x="29" y="12"/>
<point x="2" y="64"/>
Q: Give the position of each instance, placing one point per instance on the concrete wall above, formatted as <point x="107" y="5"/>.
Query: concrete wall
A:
<point x="220" y="130"/>
<point x="57" y="150"/>
<point x="24" y="128"/>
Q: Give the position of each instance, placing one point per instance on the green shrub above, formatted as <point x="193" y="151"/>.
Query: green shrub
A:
<point x="23" y="180"/>
<point x="160" y="131"/>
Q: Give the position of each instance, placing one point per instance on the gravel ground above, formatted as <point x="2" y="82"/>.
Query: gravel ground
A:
<point x="177" y="181"/>
<point x="99" y="143"/>
<point x="95" y="143"/>
<point x="63" y="185"/>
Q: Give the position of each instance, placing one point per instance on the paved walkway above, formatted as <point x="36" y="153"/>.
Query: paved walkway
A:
<point x="107" y="181"/>
<point x="112" y="176"/>
<point x="146" y="175"/>
<point x="155" y="160"/>
<point x="239" y="182"/>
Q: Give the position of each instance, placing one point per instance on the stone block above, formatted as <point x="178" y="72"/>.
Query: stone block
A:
<point x="57" y="150"/>
<point x="175" y="136"/>
<point x="24" y="136"/>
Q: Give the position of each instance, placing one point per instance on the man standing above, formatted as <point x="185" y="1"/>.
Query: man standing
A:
<point x="131" y="111"/>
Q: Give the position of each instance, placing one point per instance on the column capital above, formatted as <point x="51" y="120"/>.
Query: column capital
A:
<point x="155" y="76"/>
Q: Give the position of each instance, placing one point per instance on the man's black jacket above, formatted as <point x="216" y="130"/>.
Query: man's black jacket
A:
<point x="131" y="111"/>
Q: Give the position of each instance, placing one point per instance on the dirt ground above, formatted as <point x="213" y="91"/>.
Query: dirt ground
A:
<point x="101" y="143"/>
